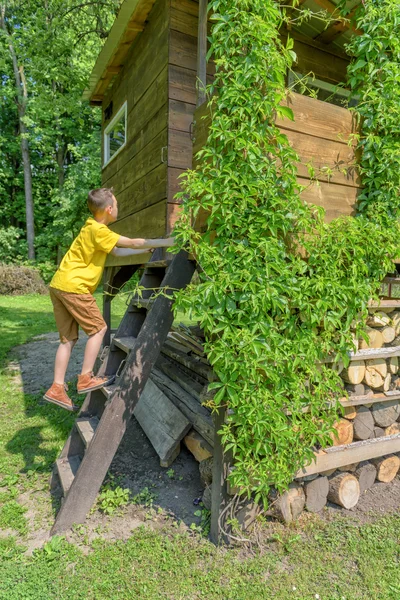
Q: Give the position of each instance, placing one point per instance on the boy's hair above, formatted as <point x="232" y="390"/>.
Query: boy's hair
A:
<point x="99" y="199"/>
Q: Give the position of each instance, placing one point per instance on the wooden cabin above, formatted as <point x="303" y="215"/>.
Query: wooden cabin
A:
<point x="152" y="126"/>
<point x="145" y="81"/>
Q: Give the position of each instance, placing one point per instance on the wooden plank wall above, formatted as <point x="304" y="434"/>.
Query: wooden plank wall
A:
<point x="138" y="173"/>
<point x="320" y="134"/>
<point x="182" y="66"/>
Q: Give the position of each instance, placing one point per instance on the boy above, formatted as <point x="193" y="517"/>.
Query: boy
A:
<point x="72" y="287"/>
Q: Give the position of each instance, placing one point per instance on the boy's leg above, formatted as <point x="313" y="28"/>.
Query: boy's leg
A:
<point x="62" y="359"/>
<point x="89" y="317"/>
<point x="68" y="330"/>
<point x="92" y="350"/>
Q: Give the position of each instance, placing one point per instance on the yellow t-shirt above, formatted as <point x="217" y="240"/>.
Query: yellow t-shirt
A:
<point x="81" y="268"/>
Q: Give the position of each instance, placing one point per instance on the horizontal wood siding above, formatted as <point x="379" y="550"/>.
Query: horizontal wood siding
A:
<point x="139" y="173"/>
<point x="181" y="94"/>
<point x="317" y="61"/>
<point x="321" y="135"/>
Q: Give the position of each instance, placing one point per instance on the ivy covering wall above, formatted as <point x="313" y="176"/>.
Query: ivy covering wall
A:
<point x="279" y="288"/>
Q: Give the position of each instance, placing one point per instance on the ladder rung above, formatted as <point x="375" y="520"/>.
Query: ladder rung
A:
<point x="125" y="343"/>
<point x="109" y="389"/>
<point x="86" y="427"/>
<point x="158" y="264"/>
<point x="67" y="469"/>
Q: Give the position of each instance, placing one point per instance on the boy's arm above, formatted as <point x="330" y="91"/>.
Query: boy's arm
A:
<point x="141" y="244"/>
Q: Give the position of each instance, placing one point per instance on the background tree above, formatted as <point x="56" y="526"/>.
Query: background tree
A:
<point x="55" y="45"/>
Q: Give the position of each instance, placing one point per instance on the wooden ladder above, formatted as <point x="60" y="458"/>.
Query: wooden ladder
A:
<point x="105" y="413"/>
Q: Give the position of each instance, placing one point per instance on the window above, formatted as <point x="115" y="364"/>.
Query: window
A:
<point x="322" y="90"/>
<point x="115" y="135"/>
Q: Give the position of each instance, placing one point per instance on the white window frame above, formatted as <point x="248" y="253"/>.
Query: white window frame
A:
<point x="122" y="111"/>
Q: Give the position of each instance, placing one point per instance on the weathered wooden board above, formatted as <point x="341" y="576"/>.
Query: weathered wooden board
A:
<point x="162" y="422"/>
<point x="129" y="23"/>
<point x="183" y="52"/>
<point x="149" y="222"/>
<point x="337" y="200"/>
<point x="332" y="162"/>
<point x="182" y="84"/>
<point x="197" y="414"/>
<point x="173" y="211"/>
<point x="144" y="153"/>
<point x="146" y="119"/>
<point x="341" y="456"/>
<point x="145" y="59"/>
<point x="320" y="119"/>
<point x="179" y="149"/>
<point x="174" y="183"/>
<point x="311" y="59"/>
<point x="145" y="161"/>
<point x="180" y="115"/>
<point x="148" y="190"/>
<point x="139" y="173"/>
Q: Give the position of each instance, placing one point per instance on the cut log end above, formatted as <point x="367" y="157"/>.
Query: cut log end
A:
<point x="344" y="490"/>
<point x="316" y="494"/>
<point x="291" y="504"/>
<point x="386" y="468"/>
<point x="366" y="475"/>
<point x="343" y="433"/>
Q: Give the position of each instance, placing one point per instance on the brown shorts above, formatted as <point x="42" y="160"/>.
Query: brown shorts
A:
<point x="74" y="310"/>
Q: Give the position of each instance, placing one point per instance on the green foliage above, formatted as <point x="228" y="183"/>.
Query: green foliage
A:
<point x="374" y="76"/>
<point x="279" y="288"/>
<point x="54" y="548"/>
<point x="12" y="244"/>
<point x="145" y="497"/>
<point x="12" y="517"/>
<point x="112" y="499"/>
<point x="56" y="44"/>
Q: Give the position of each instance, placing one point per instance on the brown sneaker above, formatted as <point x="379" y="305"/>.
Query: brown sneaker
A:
<point x="57" y="395"/>
<point x="88" y="382"/>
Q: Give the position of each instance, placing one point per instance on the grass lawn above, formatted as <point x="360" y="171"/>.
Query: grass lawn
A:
<point x="313" y="559"/>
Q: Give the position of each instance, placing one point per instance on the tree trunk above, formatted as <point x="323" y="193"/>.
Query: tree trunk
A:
<point x="375" y="339"/>
<point x="21" y="97"/>
<point x="388" y="334"/>
<point x="386" y="413"/>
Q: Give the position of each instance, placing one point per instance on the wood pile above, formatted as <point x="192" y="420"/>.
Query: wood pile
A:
<point x="171" y="409"/>
<point x="371" y="412"/>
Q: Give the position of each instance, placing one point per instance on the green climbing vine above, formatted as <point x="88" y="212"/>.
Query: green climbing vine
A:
<point x="374" y="75"/>
<point x="278" y="288"/>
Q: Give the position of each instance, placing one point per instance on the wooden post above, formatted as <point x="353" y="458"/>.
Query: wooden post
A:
<point x="219" y="495"/>
<point x="107" y="283"/>
<point x="202" y="53"/>
<point x="113" y="279"/>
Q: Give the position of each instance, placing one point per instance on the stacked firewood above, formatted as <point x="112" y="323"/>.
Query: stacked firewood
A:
<point x="182" y="373"/>
<point x="378" y="373"/>
<point x="371" y="384"/>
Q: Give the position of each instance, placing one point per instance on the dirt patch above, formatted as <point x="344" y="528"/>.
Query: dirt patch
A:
<point x="35" y="361"/>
